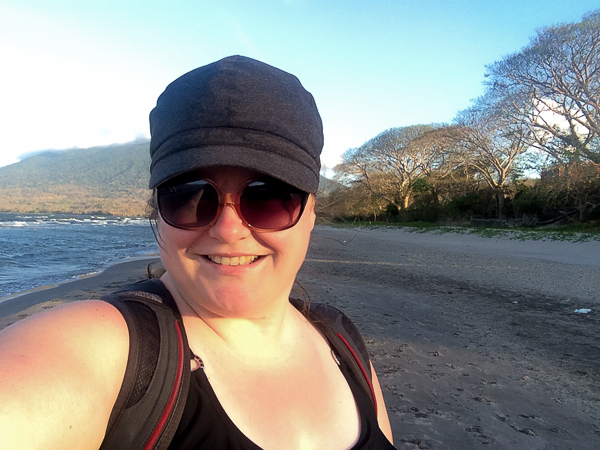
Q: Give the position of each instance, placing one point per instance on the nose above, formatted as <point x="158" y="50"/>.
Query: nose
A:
<point x="229" y="226"/>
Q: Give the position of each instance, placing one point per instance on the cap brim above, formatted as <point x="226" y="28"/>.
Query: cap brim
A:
<point x="278" y="166"/>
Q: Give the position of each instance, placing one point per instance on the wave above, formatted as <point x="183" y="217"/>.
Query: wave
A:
<point x="12" y="220"/>
<point x="44" y="249"/>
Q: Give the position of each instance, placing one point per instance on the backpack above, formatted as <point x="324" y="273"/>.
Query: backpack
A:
<point x="152" y="398"/>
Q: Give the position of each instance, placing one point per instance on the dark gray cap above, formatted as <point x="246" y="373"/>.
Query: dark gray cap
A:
<point x="237" y="112"/>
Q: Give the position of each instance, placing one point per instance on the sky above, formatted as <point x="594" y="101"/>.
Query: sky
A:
<point x="77" y="74"/>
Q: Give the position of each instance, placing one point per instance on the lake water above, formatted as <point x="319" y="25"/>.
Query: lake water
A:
<point x="36" y="250"/>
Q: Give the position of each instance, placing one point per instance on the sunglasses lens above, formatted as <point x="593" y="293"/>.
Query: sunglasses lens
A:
<point x="265" y="204"/>
<point x="271" y="205"/>
<point x="189" y="205"/>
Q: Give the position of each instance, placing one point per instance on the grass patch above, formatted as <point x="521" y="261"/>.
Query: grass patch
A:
<point x="566" y="233"/>
<point x="575" y="232"/>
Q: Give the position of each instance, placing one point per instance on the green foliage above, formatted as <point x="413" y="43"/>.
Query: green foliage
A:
<point x="391" y="212"/>
<point x="480" y="203"/>
<point x="421" y="186"/>
<point x="537" y="199"/>
<point x="426" y="213"/>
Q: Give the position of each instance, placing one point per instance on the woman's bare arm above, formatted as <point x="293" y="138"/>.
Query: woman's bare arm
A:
<point x="60" y="373"/>
<point x="382" y="415"/>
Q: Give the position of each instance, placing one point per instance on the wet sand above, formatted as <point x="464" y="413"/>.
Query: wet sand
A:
<point x="475" y="340"/>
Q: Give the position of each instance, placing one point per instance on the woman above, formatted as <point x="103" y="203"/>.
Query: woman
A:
<point x="235" y="165"/>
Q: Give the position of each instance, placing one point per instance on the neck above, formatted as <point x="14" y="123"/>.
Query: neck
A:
<point x="269" y="336"/>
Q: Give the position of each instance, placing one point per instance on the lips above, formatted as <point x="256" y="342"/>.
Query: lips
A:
<point x="232" y="261"/>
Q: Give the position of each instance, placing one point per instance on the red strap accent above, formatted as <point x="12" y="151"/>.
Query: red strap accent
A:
<point x="173" y="397"/>
<point x="362" y="368"/>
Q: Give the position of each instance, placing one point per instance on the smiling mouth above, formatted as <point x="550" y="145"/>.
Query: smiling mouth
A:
<point x="233" y="261"/>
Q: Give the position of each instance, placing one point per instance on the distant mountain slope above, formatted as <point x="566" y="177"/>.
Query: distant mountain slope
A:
<point x="116" y="167"/>
<point x="98" y="180"/>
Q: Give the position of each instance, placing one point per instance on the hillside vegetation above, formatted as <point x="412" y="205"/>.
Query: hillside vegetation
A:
<point x="99" y="180"/>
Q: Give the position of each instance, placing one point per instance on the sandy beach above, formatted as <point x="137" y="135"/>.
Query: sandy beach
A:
<point x="475" y="340"/>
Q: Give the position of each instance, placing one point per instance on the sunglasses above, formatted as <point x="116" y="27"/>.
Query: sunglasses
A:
<point x="263" y="204"/>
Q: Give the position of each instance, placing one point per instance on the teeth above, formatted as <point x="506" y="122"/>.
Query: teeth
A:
<point x="234" y="261"/>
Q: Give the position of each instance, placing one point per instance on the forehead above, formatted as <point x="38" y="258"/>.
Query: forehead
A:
<point x="223" y="173"/>
<point x="229" y="179"/>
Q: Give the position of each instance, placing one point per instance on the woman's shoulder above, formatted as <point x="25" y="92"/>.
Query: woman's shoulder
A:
<point x="69" y="329"/>
<point x="77" y="337"/>
<point x="62" y="370"/>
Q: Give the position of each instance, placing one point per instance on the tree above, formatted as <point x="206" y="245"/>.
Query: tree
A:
<point x="446" y="169"/>
<point x="552" y="86"/>
<point x="387" y="165"/>
<point x="491" y="144"/>
<point x="356" y="172"/>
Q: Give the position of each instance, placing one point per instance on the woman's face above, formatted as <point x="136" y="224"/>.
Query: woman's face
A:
<point x="228" y="270"/>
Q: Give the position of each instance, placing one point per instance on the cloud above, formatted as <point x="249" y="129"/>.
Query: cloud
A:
<point x="552" y="114"/>
<point x="244" y="39"/>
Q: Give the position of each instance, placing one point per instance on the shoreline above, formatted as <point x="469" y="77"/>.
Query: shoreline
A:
<point x="76" y="278"/>
<point x="25" y="303"/>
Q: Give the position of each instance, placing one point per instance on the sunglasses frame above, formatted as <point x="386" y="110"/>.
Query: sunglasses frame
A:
<point x="231" y="199"/>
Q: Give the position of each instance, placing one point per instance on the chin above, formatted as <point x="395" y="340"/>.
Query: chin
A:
<point x="235" y="302"/>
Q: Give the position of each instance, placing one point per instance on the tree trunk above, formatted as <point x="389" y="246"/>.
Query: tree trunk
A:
<point x="500" y="203"/>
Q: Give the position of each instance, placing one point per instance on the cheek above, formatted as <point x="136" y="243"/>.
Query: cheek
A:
<point x="173" y="241"/>
<point x="293" y="243"/>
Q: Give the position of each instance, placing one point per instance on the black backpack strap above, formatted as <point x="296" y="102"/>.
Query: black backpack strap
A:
<point x="346" y="341"/>
<point x="154" y="390"/>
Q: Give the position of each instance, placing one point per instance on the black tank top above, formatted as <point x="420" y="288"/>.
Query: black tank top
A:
<point x="206" y="425"/>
